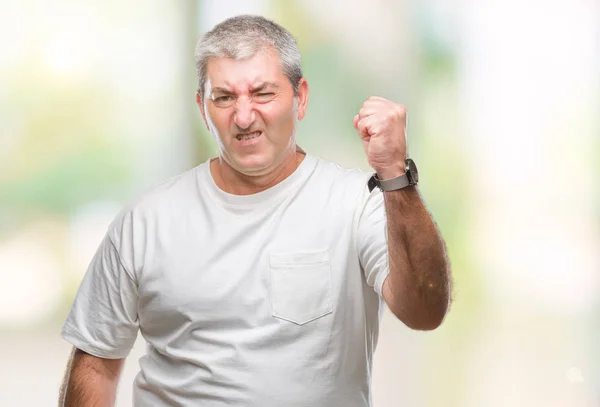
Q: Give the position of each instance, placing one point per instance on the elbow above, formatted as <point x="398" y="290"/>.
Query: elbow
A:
<point x="422" y="308"/>
<point x="429" y="323"/>
<point x="429" y="320"/>
<point x="426" y="324"/>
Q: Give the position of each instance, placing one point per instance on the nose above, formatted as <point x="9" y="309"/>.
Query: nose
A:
<point x="244" y="114"/>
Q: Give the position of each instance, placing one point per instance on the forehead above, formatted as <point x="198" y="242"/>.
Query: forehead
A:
<point x="240" y="74"/>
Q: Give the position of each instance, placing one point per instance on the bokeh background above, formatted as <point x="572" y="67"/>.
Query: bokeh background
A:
<point x="97" y="104"/>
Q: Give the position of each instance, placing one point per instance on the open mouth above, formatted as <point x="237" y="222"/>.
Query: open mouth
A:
<point x="248" y="136"/>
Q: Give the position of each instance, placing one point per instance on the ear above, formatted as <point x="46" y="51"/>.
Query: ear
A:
<point x="302" y="98"/>
<point x="201" y="107"/>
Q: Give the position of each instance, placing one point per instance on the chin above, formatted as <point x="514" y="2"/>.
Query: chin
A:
<point x="254" y="164"/>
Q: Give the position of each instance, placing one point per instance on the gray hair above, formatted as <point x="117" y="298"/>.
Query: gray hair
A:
<point x="242" y="37"/>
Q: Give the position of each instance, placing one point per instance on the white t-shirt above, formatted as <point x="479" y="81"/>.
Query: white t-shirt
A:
<point x="271" y="299"/>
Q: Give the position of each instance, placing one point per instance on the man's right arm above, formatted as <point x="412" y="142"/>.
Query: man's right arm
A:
<point x="90" y="381"/>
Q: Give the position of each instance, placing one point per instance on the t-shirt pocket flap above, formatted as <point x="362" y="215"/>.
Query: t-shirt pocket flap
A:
<point x="301" y="285"/>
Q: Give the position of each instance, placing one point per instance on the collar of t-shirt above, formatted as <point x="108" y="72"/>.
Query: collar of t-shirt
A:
<point x="263" y="199"/>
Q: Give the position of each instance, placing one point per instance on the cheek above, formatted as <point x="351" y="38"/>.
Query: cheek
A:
<point x="218" y="119"/>
<point x="277" y="116"/>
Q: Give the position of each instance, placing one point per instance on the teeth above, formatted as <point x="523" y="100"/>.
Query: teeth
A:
<point x="249" y="136"/>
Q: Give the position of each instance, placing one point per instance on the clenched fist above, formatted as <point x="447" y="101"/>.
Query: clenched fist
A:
<point x="381" y="124"/>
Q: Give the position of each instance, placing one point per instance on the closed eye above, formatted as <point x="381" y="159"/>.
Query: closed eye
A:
<point x="264" y="96"/>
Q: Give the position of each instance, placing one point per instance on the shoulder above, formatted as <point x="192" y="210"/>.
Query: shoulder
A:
<point x="335" y="174"/>
<point x="347" y="184"/>
<point x="158" y="201"/>
<point x="169" y="191"/>
<point x="346" y="187"/>
<point x="135" y="228"/>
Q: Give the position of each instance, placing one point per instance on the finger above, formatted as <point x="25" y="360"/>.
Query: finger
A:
<point x="366" y="111"/>
<point x="372" y="106"/>
<point x="364" y="127"/>
<point x="355" y="122"/>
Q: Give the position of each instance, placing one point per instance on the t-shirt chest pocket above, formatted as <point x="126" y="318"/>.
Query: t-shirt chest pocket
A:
<point x="301" y="285"/>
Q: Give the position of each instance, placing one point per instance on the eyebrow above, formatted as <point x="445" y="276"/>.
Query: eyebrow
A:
<point x="253" y="89"/>
<point x="221" y="90"/>
<point x="262" y="86"/>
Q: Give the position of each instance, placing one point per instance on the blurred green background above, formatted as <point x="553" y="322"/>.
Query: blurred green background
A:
<point x="97" y="104"/>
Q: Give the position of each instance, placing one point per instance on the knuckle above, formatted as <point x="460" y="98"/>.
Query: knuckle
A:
<point x="401" y="109"/>
<point x="391" y="116"/>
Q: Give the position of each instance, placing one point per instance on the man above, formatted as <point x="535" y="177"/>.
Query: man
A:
<point x="258" y="278"/>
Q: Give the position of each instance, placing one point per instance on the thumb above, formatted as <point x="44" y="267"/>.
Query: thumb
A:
<point x="363" y="128"/>
<point x="356" y="119"/>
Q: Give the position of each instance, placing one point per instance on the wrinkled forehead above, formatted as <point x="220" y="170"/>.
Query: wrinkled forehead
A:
<point x="242" y="75"/>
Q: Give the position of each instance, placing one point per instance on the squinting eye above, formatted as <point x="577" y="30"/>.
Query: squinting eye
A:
<point x="264" y="95"/>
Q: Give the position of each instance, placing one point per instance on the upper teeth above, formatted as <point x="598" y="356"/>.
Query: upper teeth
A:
<point x="248" y="136"/>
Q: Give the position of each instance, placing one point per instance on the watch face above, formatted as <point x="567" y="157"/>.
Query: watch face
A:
<point x="411" y="171"/>
<point x="372" y="183"/>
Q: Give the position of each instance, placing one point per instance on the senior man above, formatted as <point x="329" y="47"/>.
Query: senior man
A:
<point x="258" y="278"/>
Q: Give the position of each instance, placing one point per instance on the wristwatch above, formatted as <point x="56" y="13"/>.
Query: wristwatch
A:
<point x="409" y="178"/>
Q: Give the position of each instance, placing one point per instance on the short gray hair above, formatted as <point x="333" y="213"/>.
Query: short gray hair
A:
<point x="242" y="37"/>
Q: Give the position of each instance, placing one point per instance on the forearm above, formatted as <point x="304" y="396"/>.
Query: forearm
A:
<point x="90" y="383"/>
<point x="419" y="284"/>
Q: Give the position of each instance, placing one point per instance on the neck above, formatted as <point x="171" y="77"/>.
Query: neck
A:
<point x="237" y="183"/>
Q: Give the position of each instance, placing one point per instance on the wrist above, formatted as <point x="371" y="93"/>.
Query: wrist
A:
<point x="391" y="172"/>
<point x="391" y="179"/>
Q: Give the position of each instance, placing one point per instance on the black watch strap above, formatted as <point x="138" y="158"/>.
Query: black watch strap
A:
<point x="388" y="184"/>
<point x="409" y="178"/>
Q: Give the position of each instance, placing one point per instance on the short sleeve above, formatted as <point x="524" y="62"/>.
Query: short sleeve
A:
<point x="372" y="240"/>
<point x="103" y="318"/>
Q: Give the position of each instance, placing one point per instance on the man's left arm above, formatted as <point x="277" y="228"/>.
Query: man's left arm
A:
<point x="418" y="287"/>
